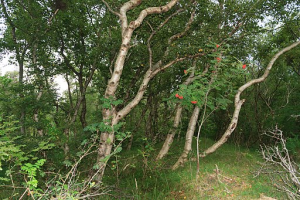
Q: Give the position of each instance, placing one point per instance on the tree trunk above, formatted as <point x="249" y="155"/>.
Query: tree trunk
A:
<point x="239" y="102"/>
<point x="189" y="138"/>
<point x="149" y="121"/>
<point x="83" y="112"/>
<point x="36" y="114"/>
<point x="170" y="137"/>
<point x="22" y="122"/>
<point x="40" y="92"/>
<point x="66" y="144"/>
<point x="110" y="116"/>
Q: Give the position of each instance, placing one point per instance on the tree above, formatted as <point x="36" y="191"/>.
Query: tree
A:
<point x="127" y="61"/>
<point x="239" y="102"/>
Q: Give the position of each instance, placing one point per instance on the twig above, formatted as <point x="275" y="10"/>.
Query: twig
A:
<point x="110" y="9"/>
<point x="279" y="164"/>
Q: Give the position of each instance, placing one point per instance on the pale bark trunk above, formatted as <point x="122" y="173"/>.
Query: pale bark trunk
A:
<point x="111" y="116"/>
<point x="170" y="137"/>
<point x="189" y="138"/>
<point x="66" y="144"/>
<point x="22" y="122"/>
<point x="40" y="93"/>
<point x="20" y="60"/>
<point x="36" y="114"/>
<point x="239" y="102"/>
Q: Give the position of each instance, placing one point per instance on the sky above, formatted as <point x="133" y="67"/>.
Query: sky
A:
<point x="5" y="67"/>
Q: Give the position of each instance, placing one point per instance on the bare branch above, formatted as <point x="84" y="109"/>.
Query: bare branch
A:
<point x="187" y="27"/>
<point x="110" y="9"/>
<point x="279" y="166"/>
<point x="148" y="76"/>
<point x="155" y="31"/>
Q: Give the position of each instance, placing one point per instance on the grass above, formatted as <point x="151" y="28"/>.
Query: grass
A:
<point x="226" y="174"/>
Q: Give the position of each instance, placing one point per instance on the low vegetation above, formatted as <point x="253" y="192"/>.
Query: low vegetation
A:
<point x="227" y="174"/>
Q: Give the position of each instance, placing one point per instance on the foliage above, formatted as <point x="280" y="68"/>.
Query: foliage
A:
<point x="31" y="171"/>
<point x="9" y="150"/>
<point x="293" y="145"/>
<point x="219" y="44"/>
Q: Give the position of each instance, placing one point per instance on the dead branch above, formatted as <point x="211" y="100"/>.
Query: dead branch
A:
<point x="279" y="166"/>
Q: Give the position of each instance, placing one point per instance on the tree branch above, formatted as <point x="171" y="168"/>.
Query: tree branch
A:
<point x="123" y="10"/>
<point x="110" y="9"/>
<point x="155" y="31"/>
<point x="152" y="10"/>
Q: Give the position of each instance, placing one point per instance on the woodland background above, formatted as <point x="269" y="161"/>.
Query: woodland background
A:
<point x="143" y="77"/>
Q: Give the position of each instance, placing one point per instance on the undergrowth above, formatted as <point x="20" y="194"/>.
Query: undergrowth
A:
<point x="226" y="174"/>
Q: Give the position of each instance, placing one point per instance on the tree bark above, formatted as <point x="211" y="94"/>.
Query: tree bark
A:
<point x="36" y="114"/>
<point x="40" y="92"/>
<point x="83" y="112"/>
<point x="170" y="137"/>
<point x="110" y="116"/>
<point x="189" y="138"/>
<point x="20" y="55"/>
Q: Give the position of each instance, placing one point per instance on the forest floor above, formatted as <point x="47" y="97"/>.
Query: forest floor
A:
<point x="226" y="174"/>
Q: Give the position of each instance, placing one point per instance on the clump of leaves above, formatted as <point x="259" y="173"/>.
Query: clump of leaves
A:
<point x="9" y="151"/>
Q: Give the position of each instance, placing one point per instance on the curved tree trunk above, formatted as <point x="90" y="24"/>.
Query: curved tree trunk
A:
<point x="189" y="138"/>
<point x="239" y="102"/>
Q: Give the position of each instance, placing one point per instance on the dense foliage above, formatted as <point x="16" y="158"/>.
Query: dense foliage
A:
<point x="186" y="55"/>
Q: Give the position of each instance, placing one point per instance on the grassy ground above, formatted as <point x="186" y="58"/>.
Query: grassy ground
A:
<point x="226" y="174"/>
